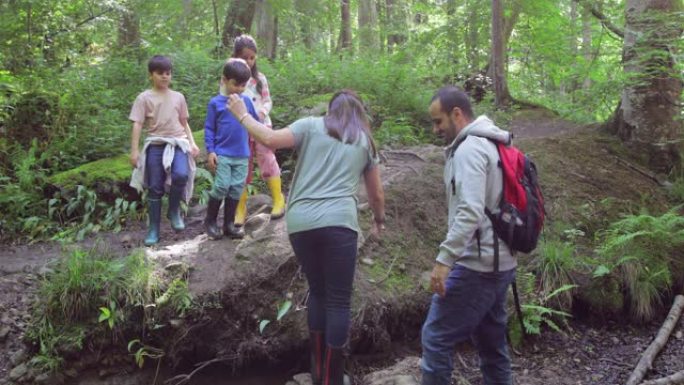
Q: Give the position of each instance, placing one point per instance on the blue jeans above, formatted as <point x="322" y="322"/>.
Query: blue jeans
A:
<point x="328" y="258"/>
<point x="155" y="174"/>
<point x="474" y="307"/>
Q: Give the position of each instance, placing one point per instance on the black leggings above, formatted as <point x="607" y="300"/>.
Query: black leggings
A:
<point x="328" y="257"/>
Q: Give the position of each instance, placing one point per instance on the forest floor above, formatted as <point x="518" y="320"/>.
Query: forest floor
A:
<point x="578" y="168"/>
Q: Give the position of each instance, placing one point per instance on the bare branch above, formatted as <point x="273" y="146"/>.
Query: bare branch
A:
<point x="602" y="18"/>
<point x="646" y="361"/>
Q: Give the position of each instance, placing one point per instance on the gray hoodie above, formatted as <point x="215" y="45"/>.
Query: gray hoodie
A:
<point x="474" y="181"/>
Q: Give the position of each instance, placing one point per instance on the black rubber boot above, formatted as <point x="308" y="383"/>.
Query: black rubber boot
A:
<point x="333" y="372"/>
<point x="317" y="350"/>
<point x="174" y="213"/>
<point x="210" y="220"/>
<point x="229" y="228"/>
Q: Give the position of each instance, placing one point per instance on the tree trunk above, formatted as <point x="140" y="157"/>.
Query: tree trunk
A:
<point x="570" y="85"/>
<point x="369" y="38"/>
<point x="306" y="24"/>
<point x="238" y="20"/>
<point x="648" y="118"/>
<point x="502" y="98"/>
<point x="586" y="45"/>
<point x="265" y="27"/>
<point x="184" y="21"/>
<point x="472" y="36"/>
<point x="396" y="23"/>
<point x="345" y="41"/>
<point x="129" y="30"/>
<point x="508" y="26"/>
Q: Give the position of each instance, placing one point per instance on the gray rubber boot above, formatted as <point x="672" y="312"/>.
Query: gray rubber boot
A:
<point x="153" y="219"/>
<point x="174" y="213"/>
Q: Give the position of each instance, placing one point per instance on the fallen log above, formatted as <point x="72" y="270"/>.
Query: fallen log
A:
<point x="646" y="362"/>
<point x="674" y="379"/>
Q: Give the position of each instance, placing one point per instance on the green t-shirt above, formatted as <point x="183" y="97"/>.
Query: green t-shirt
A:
<point x="326" y="178"/>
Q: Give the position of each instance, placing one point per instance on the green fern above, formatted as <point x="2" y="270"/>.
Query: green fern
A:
<point x="646" y="251"/>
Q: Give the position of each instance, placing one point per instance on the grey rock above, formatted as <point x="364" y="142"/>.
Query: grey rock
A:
<point x="18" y="357"/>
<point x="404" y="372"/>
<point x="45" y="270"/>
<point x="49" y="379"/>
<point x="18" y="372"/>
<point x="401" y="379"/>
<point x="367" y="261"/>
<point x="302" y="379"/>
<point x="135" y="378"/>
<point x="4" y="332"/>
<point x="256" y="224"/>
<point x="257" y="201"/>
<point x="176" y="323"/>
<point x="177" y="268"/>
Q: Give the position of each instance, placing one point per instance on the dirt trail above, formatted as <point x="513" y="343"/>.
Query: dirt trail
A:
<point x="588" y="355"/>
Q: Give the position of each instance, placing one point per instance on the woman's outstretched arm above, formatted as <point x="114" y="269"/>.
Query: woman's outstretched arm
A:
<point x="283" y="138"/>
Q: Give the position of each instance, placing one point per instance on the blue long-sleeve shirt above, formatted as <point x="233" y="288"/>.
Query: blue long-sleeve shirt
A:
<point x="223" y="134"/>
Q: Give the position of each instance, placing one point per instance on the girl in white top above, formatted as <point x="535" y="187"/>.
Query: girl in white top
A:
<point x="257" y="89"/>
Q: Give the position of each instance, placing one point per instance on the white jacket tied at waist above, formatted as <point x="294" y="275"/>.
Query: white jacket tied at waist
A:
<point x="138" y="180"/>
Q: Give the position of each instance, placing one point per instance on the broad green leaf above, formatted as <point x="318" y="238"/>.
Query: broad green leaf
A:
<point x="263" y="324"/>
<point x="283" y="309"/>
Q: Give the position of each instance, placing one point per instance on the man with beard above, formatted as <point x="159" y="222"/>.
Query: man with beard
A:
<point x="470" y="277"/>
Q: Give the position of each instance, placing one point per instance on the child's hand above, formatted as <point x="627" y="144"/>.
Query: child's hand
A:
<point x="212" y="159"/>
<point x="194" y="150"/>
<point x="134" y="158"/>
<point x="262" y="116"/>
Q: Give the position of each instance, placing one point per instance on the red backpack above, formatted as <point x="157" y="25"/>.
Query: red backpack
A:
<point x="520" y="219"/>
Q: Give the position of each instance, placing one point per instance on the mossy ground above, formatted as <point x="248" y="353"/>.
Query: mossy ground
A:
<point x="108" y="171"/>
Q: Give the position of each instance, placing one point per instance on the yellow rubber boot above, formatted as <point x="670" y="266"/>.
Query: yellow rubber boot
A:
<point x="274" y="184"/>
<point x="241" y="210"/>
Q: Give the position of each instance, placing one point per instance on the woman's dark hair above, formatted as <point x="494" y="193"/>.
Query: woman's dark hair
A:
<point x="346" y="119"/>
<point x="246" y="41"/>
<point x="452" y="96"/>
<point x="236" y="69"/>
<point x="159" y="63"/>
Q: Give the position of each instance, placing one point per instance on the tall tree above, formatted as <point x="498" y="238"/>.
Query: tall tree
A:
<point x="129" y="29"/>
<point x="502" y="97"/>
<point x="473" y="24"/>
<point x="509" y="19"/>
<point x="306" y="24"/>
<point x="395" y="19"/>
<point x="369" y="37"/>
<point x="649" y="115"/>
<point x="184" y="20"/>
<point x="570" y="85"/>
<point x="266" y="27"/>
<point x="238" y="20"/>
<point x="345" y="41"/>
<point x="586" y="44"/>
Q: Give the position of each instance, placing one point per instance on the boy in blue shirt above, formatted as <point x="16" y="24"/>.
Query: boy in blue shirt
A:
<point x="227" y="144"/>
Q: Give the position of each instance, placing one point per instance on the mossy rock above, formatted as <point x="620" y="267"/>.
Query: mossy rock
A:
<point x="108" y="177"/>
